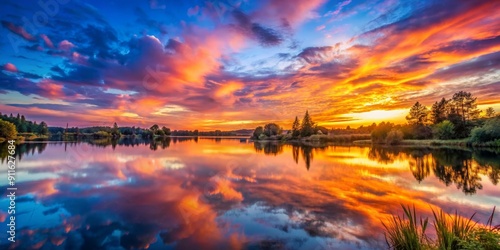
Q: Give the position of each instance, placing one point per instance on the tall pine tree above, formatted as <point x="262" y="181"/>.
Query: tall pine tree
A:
<point x="307" y="126"/>
<point x="296" y="128"/>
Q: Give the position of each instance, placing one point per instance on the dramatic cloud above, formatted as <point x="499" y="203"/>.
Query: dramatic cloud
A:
<point x="234" y="63"/>
<point x="10" y="67"/>
<point x="18" y="30"/>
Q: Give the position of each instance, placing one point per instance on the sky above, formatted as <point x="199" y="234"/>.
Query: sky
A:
<point x="233" y="64"/>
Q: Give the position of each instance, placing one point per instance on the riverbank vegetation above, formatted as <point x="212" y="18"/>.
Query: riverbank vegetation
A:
<point x="20" y="129"/>
<point x="17" y="127"/>
<point x="307" y="131"/>
<point x="455" y="121"/>
<point x="452" y="232"/>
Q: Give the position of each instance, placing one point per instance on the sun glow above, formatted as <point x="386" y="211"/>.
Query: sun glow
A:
<point x="395" y="115"/>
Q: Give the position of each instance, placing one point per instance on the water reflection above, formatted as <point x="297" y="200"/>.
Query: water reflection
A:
<point x="461" y="167"/>
<point x="229" y="194"/>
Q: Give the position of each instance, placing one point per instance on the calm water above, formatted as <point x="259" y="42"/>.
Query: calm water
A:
<point x="234" y="194"/>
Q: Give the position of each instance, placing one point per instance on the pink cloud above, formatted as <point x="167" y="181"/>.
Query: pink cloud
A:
<point x="10" y="67"/>
<point x="65" y="45"/>
<point x="18" y="30"/>
<point x="47" y="41"/>
<point x="294" y="13"/>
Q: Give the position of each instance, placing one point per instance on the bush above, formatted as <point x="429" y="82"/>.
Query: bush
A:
<point x="444" y="130"/>
<point x="379" y="134"/>
<point x="257" y="132"/>
<point x="395" y="136"/>
<point x="7" y="130"/>
<point x="422" y="132"/>
<point x="262" y="137"/>
<point x="101" y="134"/>
<point x="287" y="137"/>
<point x="490" y="131"/>
<point x="271" y="129"/>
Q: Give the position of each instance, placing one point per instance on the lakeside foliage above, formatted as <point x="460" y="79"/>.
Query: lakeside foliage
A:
<point x="456" y="118"/>
<point x="453" y="232"/>
<point x="21" y="126"/>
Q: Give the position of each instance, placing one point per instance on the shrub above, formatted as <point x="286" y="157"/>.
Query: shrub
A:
<point x="271" y="129"/>
<point x="101" y="134"/>
<point x="257" y="132"/>
<point x="421" y="132"/>
<point x="490" y="131"/>
<point x="262" y="137"/>
<point x="379" y="134"/>
<point x="444" y="130"/>
<point x="395" y="136"/>
<point x="7" y="130"/>
<point x="287" y="137"/>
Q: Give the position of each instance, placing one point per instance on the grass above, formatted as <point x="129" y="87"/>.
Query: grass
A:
<point x="337" y="138"/>
<point x="431" y="142"/>
<point x="404" y="232"/>
<point x="453" y="232"/>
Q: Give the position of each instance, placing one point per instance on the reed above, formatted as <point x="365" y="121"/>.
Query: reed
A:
<point x="453" y="232"/>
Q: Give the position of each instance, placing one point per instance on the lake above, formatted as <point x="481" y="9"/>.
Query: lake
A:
<point x="208" y="193"/>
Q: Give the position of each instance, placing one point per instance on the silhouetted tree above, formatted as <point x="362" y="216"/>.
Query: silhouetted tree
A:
<point x="154" y="128"/>
<point x="464" y="104"/>
<point x="296" y="128"/>
<point x="490" y="112"/>
<point x="417" y="115"/>
<point x="307" y="126"/>
<point x="43" y="128"/>
<point x="257" y="132"/>
<point x="165" y="130"/>
<point x="271" y="129"/>
<point x="438" y="111"/>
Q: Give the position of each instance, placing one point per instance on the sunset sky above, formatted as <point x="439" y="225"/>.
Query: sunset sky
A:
<point x="233" y="64"/>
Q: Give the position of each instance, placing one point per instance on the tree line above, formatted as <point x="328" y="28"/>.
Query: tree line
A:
<point x="454" y="118"/>
<point x="300" y="129"/>
<point x="11" y="125"/>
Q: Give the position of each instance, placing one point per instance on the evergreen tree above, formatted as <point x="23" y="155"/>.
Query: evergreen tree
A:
<point x="417" y="115"/>
<point x="438" y="111"/>
<point x="115" y="132"/>
<point x="464" y="105"/>
<point x="43" y="128"/>
<point x="307" y="126"/>
<point x="490" y="112"/>
<point x="296" y="128"/>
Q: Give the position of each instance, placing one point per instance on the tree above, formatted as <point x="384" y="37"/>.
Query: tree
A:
<point x="115" y="132"/>
<point x="444" y="130"/>
<point x="154" y="128"/>
<point x="379" y="133"/>
<point x="465" y="105"/>
<point x="43" y="128"/>
<point x="417" y="115"/>
<point x="296" y="128"/>
<point x="165" y="130"/>
<point x="490" y="112"/>
<point x="257" y="132"/>
<point x="7" y="130"/>
<point x="438" y="111"/>
<point x="271" y="129"/>
<point x="307" y="126"/>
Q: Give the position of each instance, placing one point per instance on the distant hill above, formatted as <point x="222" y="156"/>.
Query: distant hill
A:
<point x="243" y="131"/>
